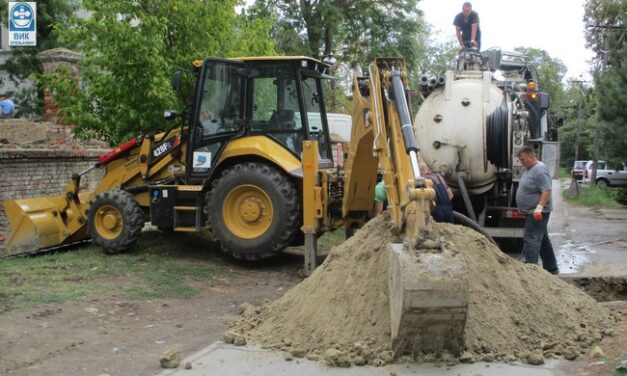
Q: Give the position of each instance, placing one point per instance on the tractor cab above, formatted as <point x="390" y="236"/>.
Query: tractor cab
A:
<point x="277" y="98"/>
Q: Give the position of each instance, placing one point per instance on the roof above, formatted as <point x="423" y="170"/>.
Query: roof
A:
<point x="279" y="58"/>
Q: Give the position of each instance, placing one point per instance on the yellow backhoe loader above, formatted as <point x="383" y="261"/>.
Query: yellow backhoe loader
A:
<point x="251" y="164"/>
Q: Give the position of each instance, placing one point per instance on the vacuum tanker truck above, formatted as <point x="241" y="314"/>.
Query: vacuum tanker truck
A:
<point x="471" y="126"/>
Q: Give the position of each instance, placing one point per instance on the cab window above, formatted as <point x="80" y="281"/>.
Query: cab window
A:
<point x="221" y="102"/>
<point x="276" y="109"/>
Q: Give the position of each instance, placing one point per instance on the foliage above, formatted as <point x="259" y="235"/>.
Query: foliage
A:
<point x="606" y="34"/>
<point x="596" y="197"/>
<point x="439" y="57"/>
<point x="551" y="71"/>
<point x="356" y="31"/>
<point x="131" y="48"/>
<point x="23" y="63"/>
<point x="578" y="112"/>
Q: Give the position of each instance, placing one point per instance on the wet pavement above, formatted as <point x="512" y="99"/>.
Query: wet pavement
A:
<point x="588" y="241"/>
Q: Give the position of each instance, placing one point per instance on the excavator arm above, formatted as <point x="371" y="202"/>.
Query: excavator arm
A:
<point x="382" y="142"/>
<point x="427" y="287"/>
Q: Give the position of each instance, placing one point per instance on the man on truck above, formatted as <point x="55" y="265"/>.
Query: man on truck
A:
<point x="467" y="27"/>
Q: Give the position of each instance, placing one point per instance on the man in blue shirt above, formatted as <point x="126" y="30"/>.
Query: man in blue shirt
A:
<point x="533" y="198"/>
<point x="7" y="107"/>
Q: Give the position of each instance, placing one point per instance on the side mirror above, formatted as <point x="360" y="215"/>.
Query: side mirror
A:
<point x="169" y="114"/>
<point x="176" y="81"/>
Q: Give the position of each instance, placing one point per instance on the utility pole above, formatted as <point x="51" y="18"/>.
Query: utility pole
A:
<point x="579" y="118"/>
<point x="597" y="133"/>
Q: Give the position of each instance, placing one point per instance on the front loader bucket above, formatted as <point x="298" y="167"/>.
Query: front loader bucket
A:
<point x="41" y="223"/>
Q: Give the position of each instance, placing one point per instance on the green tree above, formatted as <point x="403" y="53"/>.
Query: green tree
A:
<point x="23" y="63"/>
<point x="131" y="49"/>
<point x="355" y="31"/>
<point x="606" y="33"/>
<point x="578" y="111"/>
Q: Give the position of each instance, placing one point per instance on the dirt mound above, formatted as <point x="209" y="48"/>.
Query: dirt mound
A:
<point x="341" y="312"/>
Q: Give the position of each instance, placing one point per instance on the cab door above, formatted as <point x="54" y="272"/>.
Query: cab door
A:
<point x="218" y="114"/>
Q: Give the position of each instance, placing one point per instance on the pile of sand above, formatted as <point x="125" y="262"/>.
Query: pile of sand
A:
<point x="341" y="312"/>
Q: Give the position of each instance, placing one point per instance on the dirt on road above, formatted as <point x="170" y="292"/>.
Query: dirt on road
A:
<point x="111" y="336"/>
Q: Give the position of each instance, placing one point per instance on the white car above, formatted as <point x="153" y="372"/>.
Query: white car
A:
<point x="607" y="175"/>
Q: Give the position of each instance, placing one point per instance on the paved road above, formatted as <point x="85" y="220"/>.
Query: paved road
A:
<point x="227" y="360"/>
<point x="588" y="241"/>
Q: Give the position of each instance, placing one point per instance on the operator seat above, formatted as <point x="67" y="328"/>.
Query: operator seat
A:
<point x="282" y="119"/>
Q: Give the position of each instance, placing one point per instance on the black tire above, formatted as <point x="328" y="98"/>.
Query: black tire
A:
<point x="603" y="182"/>
<point x="262" y="189"/>
<point x="115" y="221"/>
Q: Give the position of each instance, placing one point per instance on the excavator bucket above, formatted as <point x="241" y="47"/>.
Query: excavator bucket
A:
<point x="43" y="223"/>
<point x="428" y="288"/>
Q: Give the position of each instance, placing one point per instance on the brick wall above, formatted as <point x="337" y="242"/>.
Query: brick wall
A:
<point x="42" y="172"/>
<point x="38" y="159"/>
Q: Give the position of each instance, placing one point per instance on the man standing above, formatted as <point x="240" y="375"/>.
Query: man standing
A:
<point x="7" y="107"/>
<point x="533" y="198"/>
<point x="467" y="27"/>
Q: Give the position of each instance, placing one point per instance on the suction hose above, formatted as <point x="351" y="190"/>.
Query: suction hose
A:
<point x="497" y="136"/>
<point x="461" y="219"/>
<point x="465" y="196"/>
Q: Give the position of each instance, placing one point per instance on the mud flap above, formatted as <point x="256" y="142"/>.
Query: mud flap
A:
<point x="428" y="299"/>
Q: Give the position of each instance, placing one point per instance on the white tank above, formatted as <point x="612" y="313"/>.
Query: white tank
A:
<point x="450" y="129"/>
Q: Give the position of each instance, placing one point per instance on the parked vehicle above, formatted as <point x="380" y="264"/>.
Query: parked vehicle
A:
<point x="608" y="174"/>
<point x="578" y="168"/>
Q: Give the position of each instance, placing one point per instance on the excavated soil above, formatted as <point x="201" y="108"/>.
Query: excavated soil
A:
<point x="341" y="312"/>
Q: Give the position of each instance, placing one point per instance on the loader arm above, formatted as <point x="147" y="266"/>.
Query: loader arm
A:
<point x="43" y="223"/>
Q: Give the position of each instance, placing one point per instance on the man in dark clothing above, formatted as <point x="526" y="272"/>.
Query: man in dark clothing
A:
<point x="467" y="27"/>
<point x="533" y="198"/>
<point x="443" y="211"/>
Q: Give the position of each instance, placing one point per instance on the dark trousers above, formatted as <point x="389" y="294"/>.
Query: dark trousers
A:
<point x="537" y="243"/>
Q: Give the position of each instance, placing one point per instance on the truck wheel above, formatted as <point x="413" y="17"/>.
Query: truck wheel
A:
<point x="115" y="221"/>
<point x="253" y="211"/>
<point x="603" y="183"/>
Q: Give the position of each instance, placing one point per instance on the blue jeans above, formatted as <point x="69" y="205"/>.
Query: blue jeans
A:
<point x="537" y="243"/>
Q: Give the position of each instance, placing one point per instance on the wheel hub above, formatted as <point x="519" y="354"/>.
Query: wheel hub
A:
<point x="247" y="211"/>
<point x="252" y="209"/>
<point x="108" y="222"/>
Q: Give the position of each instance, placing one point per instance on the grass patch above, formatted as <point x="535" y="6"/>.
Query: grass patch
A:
<point x="331" y="239"/>
<point x="596" y="196"/>
<point x="162" y="267"/>
<point x="564" y="173"/>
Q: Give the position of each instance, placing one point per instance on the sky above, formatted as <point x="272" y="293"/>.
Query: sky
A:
<point x="555" y="26"/>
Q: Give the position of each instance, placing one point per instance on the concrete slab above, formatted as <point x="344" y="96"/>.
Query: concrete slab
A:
<point x="228" y="360"/>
